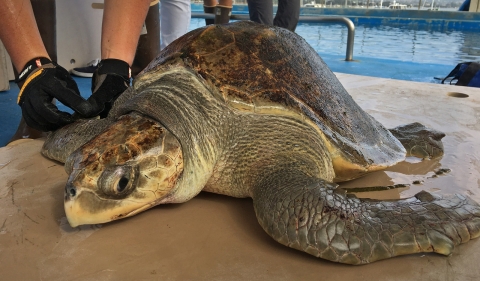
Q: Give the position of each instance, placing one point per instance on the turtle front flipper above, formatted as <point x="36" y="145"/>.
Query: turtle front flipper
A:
<point x="61" y="143"/>
<point x="311" y="215"/>
<point x="419" y="141"/>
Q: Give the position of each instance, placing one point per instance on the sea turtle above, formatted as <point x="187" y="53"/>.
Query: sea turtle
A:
<point x="248" y="110"/>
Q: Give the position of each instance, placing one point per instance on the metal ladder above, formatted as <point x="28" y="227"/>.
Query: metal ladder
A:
<point x="313" y="19"/>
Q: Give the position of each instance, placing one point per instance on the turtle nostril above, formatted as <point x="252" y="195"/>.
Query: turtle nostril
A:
<point x="70" y="191"/>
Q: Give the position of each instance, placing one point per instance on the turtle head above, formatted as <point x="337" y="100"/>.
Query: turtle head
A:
<point x="130" y="167"/>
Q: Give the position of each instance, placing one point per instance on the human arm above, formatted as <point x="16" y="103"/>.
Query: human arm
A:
<point x="121" y="28"/>
<point x="19" y="28"/>
<point x="40" y="80"/>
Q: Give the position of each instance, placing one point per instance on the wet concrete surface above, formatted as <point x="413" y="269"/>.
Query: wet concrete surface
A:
<point x="215" y="237"/>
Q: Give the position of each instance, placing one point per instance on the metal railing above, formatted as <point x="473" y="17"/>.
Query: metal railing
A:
<point x="314" y="19"/>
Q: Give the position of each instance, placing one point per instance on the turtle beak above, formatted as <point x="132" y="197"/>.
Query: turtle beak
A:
<point x="75" y="210"/>
<point x="73" y="213"/>
<point x="83" y="206"/>
<point x="70" y="193"/>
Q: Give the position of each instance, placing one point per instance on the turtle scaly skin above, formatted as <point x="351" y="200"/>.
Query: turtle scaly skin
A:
<point x="322" y="221"/>
<point x="247" y="110"/>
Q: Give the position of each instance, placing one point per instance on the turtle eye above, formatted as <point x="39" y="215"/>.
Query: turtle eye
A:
<point x="122" y="184"/>
<point x="119" y="181"/>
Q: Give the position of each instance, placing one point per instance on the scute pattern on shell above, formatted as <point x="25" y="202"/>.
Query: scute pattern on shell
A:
<point x="267" y="64"/>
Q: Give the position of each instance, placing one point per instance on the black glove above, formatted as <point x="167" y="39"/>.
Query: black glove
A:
<point x="111" y="78"/>
<point x="40" y="81"/>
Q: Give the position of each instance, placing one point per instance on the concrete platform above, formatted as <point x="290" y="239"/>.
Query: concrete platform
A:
<point x="215" y="237"/>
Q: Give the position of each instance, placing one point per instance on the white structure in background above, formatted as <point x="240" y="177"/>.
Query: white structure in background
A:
<point x="313" y="5"/>
<point x="396" y="6"/>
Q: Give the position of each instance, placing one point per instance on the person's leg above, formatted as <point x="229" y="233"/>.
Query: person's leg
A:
<point x="149" y="43"/>
<point x="288" y="13"/>
<point x="223" y="11"/>
<point x="174" y="20"/>
<point x="121" y="28"/>
<point x="261" y="11"/>
<point x="209" y="8"/>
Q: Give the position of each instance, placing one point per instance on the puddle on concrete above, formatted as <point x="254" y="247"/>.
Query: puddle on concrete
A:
<point x="410" y="172"/>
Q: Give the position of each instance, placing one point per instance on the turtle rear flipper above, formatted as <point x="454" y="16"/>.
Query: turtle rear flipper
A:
<point x="312" y="216"/>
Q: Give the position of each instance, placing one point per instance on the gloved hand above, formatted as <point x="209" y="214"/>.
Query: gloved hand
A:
<point x="40" y="81"/>
<point x="111" y="78"/>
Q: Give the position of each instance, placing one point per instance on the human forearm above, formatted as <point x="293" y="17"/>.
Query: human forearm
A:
<point x="122" y="24"/>
<point x="19" y="32"/>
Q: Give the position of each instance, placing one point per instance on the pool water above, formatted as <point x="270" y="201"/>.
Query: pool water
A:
<point x="388" y="51"/>
<point x="386" y="42"/>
